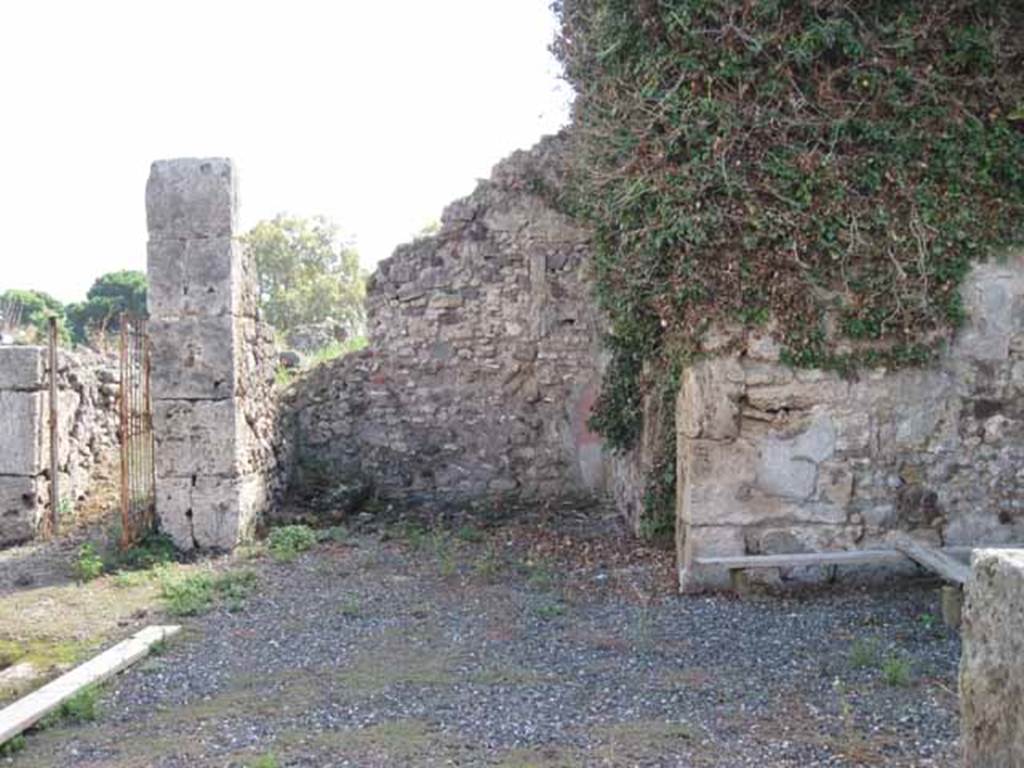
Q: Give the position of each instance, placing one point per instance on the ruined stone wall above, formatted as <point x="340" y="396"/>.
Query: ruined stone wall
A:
<point x="87" y="434"/>
<point x="992" y="664"/>
<point x="483" y="360"/>
<point x="212" y="365"/>
<point x="774" y="460"/>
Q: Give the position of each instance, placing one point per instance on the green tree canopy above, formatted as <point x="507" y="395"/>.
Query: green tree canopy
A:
<point x="111" y="294"/>
<point x="32" y="308"/>
<point x="306" y="272"/>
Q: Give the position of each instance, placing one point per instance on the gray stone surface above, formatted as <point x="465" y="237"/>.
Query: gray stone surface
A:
<point x="200" y="276"/>
<point x="483" y="365"/>
<point x="192" y="198"/>
<point x="87" y="434"/>
<point x="21" y="367"/>
<point x="21" y="420"/>
<point x="20" y="507"/>
<point x="213" y="364"/>
<point x="992" y="664"/>
<point x="196" y="357"/>
<point x="839" y="464"/>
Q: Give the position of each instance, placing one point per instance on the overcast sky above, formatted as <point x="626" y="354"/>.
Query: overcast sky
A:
<point x="374" y="114"/>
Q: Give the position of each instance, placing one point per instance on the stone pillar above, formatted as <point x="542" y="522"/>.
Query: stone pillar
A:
<point x="992" y="665"/>
<point x="208" y="373"/>
<point x="23" y="443"/>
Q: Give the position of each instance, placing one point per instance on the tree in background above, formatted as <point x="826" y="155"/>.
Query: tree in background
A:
<point x="307" y="274"/>
<point x="31" y="309"/>
<point x="110" y="295"/>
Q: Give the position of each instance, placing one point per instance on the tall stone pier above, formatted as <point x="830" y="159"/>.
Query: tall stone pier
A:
<point x="212" y="377"/>
<point x="22" y="451"/>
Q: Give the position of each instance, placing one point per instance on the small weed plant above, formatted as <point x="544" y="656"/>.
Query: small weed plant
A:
<point x="550" y="610"/>
<point x="89" y="564"/>
<point x="12" y="746"/>
<point x="864" y="654"/>
<point x="288" y="542"/>
<point x="191" y="594"/>
<point x="896" y="671"/>
<point x="267" y="760"/>
<point x="83" y="707"/>
<point x="351" y="607"/>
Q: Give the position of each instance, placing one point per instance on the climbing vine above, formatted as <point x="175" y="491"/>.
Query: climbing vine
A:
<point x="823" y="170"/>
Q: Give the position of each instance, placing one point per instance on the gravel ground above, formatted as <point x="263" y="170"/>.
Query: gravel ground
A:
<point x="520" y="648"/>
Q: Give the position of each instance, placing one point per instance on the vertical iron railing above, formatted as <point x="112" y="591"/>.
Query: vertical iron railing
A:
<point x="138" y="487"/>
<point x="53" y="525"/>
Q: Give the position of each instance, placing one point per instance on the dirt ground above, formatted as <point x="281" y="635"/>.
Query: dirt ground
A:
<point x="533" y="644"/>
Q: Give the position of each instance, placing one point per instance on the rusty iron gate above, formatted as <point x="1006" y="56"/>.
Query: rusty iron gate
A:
<point x="138" y="471"/>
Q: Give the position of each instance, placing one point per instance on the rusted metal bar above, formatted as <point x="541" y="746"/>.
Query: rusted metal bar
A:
<point x="138" y="481"/>
<point x="125" y="438"/>
<point x="54" y="434"/>
<point x="150" y="436"/>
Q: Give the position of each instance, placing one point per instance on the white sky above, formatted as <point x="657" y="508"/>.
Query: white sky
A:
<point x="374" y="114"/>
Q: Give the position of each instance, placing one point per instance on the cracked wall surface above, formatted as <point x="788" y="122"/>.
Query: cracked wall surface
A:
<point x="775" y="460"/>
<point x="212" y="359"/>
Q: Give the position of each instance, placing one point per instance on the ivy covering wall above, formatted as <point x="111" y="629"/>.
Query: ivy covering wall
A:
<point x="826" y="171"/>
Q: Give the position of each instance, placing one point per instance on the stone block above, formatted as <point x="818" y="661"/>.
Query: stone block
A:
<point x="210" y="512"/>
<point x="717" y="477"/>
<point x="707" y="541"/>
<point x="199" y="437"/>
<point x="22" y="367"/>
<point x="708" y="403"/>
<point x="192" y="198"/>
<point x="21" y="506"/>
<point x="194" y="358"/>
<point x="788" y="465"/>
<point x="798" y="395"/>
<point x="22" y="424"/>
<point x="992" y="663"/>
<point x="208" y="276"/>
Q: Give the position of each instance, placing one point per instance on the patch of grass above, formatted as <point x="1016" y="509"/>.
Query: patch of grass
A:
<point x="864" y="654"/>
<point x="80" y="708"/>
<point x="186" y="594"/>
<point x="469" y="534"/>
<point x="283" y="376"/>
<point x="191" y="594"/>
<point x="131" y="579"/>
<point x="411" y="532"/>
<point x="550" y="610"/>
<point x="540" y="575"/>
<point x="336" y="349"/>
<point x="444" y="551"/>
<point x="89" y="565"/>
<point x="83" y="707"/>
<point x="896" y="671"/>
<point x="351" y="607"/>
<point x="267" y="760"/>
<point x="12" y="746"/>
<point x="154" y="549"/>
<point x="289" y="541"/>
<point x="42" y="653"/>
<point x="233" y="587"/>
<point x="337" y="534"/>
<point x="488" y="565"/>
